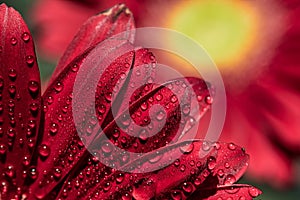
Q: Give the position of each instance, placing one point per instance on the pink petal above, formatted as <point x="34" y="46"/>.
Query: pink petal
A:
<point x="20" y="102"/>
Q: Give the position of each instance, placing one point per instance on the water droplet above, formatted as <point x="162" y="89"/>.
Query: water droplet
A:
<point x="101" y="109"/>
<point x="108" y="96"/>
<point x="208" y="100"/>
<point x="25" y="37"/>
<point x="11" y="133"/>
<point x="206" y="146"/>
<point x="34" y="108"/>
<point x="174" y="99"/>
<point x="176" y="195"/>
<point x="229" y="180"/>
<point x="26" y="161"/>
<point x="116" y="133"/>
<point x="143" y="136"/>
<point x="226" y="165"/>
<point x="188" y="148"/>
<point x="144" y="106"/>
<point x="44" y="150"/>
<point x="231" y="146"/>
<point x="10" y="172"/>
<point x="221" y="173"/>
<point x="160" y="115"/>
<point x="186" y="109"/>
<point x="182" y="168"/>
<point x="211" y="164"/>
<point x="254" y="192"/>
<point x="57" y="173"/>
<point x="120" y="178"/>
<point x="12" y="74"/>
<point x="33" y="87"/>
<point x="3" y="149"/>
<point x="159" y="97"/>
<point x="58" y="87"/>
<point x="107" y="186"/>
<point x="33" y="173"/>
<point x="187" y="187"/>
<point x="13" y="41"/>
<point x="29" y="60"/>
<point x="126" y="196"/>
<point x="12" y="90"/>
<point x="75" y="68"/>
<point x="50" y="100"/>
<point x="107" y="147"/>
<point x="126" y="120"/>
<point x="176" y="162"/>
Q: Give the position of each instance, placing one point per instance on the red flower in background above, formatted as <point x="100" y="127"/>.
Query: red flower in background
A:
<point x="259" y="64"/>
<point x="41" y="154"/>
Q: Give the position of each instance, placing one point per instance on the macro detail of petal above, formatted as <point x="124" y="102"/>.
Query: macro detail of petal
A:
<point x="193" y="171"/>
<point x="234" y="192"/>
<point x="59" y="129"/>
<point x="20" y="104"/>
<point x="116" y="20"/>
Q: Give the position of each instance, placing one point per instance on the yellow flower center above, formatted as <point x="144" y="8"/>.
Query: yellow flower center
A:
<point x="227" y="29"/>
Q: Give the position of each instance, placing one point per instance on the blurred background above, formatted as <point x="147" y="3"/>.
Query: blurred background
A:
<point x="254" y="43"/>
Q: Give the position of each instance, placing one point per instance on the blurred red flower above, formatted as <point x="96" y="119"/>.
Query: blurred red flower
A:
<point x="43" y="148"/>
<point x="259" y="64"/>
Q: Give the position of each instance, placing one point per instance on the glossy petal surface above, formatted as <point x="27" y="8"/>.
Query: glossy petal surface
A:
<point x="20" y="103"/>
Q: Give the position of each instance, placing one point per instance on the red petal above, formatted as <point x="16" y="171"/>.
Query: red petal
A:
<point x="189" y="173"/>
<point x="175" y="125"/>
<point x="106" y="183"/>
<point x="95" y="30"/>
<point x="20" y="102"/>
<point x="234" y="192"/>
<point x="59" y="129"/>
<point x="224" y="166"/>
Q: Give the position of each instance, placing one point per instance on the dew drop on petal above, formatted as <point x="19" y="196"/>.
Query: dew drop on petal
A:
<point x="187" y="148"/>
<point x="33" y="173"/>
<point x="75" y="68"/>
<point x="120" y="178"/>
<point x="44" y="150"/>
<point x="10" y="172"/>
<point x="25" y="37"/>
<point x="107" y="147"/>
<point x="187" y="187"/>
<point x="57" y="173"/>
<point x="254" y="192"/>
<point x="29" y="60"/>
<point x="231" y="146"/>
<point x="58" y="87"/>
<point x="176" y="195"/>
<point x="208" y="100"/>
<point x="33" y="87"/>
<point x="12" y="74"/>
<point x="13" y="41"/>
<point x="3" y="149"/>
<point x="211" y="163"/>
<point x="229" y="180"/>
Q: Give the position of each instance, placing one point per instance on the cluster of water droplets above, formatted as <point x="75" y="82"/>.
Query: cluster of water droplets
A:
<point x="18" y="127"/>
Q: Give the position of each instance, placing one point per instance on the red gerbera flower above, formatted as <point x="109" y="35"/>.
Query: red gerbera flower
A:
<point x="42" y="155"/>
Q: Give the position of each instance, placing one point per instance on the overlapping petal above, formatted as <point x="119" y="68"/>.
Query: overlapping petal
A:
<point x="61" y="154"/>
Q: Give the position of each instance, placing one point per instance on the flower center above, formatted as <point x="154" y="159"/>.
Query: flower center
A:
<point x="226" y="29"/>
